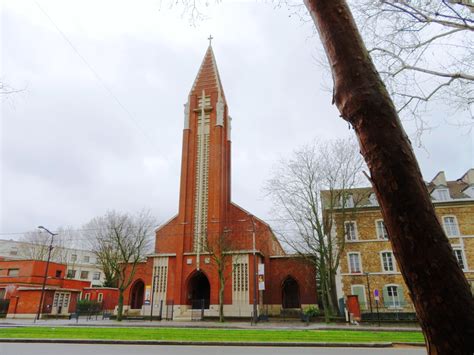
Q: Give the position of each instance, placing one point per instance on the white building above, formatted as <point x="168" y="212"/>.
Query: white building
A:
<point x="81" y="264"/>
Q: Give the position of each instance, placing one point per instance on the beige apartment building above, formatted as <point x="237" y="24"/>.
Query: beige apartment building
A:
<point x="368" y="260"/>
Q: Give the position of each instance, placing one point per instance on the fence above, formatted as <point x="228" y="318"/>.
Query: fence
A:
<point x="400" y="312"/>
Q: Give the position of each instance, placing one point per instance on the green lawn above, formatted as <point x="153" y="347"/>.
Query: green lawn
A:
<point x="193" y="334"/>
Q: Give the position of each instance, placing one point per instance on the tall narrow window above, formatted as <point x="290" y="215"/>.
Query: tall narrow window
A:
<point x="381" y="230"/>
<point x="354" y="263"/>
<point x="387" y="262"/>
<point x="460" y="258"/>
<point x="351" y="230"/>
<point x="451" y="226"/>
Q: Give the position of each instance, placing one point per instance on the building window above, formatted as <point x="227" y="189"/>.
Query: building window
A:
<point x="71" y="274"/>
<point x="74" y="257"/>
<point x="460" y="258"/>
<point x="393" y="296"/>
<point x="387" y="261"/>
<point x="87" y="296"/>
<point x="347" y="201"/>
<point x="442" y="194"/>
<point x="84" y="275"/>
<point x="354" y="263"/>
<point x="86" y="258"/>
<point x="381" y="230"/>
<point x="100" y="297"/>
<point x="451" y="226"/>
<point x="58" y="273"/>
<point x="240" y="277"/>
<point x="96" y="275"/>
<point x="359" y="291"/>
<point x="351" y="230"/>
<point x="13" y="272"/>
<point x="3" y="293"/>
<point x="373" y="200"/>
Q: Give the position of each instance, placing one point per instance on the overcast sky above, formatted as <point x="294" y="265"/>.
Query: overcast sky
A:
<point x="100" y="126"/>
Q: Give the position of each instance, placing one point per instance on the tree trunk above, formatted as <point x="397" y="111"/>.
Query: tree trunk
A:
<point x="221" y="297"/>
<point x="120" y="306"/>
<point x="437" y="285"/>
<point x="324" y="298"/>
<point x="333" y="293"/>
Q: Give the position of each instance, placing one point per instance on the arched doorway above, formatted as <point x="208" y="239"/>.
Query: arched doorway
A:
<point x="136" y="294"/>
<point x="290" y="293"/>
<point x="199" y="290"/>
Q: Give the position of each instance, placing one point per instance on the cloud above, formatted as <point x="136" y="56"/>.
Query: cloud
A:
<point x="78" y="142"/>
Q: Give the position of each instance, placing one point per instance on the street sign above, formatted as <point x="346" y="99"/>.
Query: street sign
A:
<point x="261" y="283"/>
<point x="376" y="295"/>
<point x="261" y="269"/>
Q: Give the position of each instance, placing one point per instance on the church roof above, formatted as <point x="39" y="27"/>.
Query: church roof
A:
<point x="208" y="78"/>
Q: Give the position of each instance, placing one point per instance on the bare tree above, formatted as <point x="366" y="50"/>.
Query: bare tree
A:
<point x="306" y="190"/>
<point x="35" y="245"/>
<point x="219" y="248"/>
<point x="120" y="241"/>
<point x="424" y="51"/>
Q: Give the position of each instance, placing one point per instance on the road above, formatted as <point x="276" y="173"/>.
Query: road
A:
<point x="76" y="349"/>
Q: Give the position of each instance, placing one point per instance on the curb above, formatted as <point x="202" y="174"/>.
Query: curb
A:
<point x="199" y="343"/>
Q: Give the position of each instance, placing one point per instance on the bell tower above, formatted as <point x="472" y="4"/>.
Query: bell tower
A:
<point x="205" y="166"/>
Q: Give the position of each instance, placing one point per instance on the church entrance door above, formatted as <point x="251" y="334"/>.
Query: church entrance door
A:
<point x="199" y="291"/>
<point x="136" y="294"/>
<point x="290" y="293"/>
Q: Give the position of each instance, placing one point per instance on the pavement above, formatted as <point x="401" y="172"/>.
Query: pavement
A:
<point x="78" y="349"/>
<point x="284" y="325"/>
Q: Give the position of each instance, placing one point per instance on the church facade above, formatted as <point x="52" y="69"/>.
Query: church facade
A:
<point x="212" y="243"/>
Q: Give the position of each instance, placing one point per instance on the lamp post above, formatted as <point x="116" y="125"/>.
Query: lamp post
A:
<point x="370" y="293"/>
<point x="50" y="248"/>
<point x="254" y="271"/>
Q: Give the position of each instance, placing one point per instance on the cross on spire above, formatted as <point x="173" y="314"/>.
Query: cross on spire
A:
<point x="210" y="39"/>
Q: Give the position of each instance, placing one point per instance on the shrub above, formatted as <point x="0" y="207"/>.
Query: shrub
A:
<point x="87" y="306"/>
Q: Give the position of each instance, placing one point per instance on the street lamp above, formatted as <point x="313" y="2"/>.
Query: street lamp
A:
<point x="254" y="271"/>
<point x="46" y="271"/>
<point x="370" y="293"/>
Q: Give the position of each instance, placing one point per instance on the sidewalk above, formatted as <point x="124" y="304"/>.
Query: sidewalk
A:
<point x="288" y="325"/>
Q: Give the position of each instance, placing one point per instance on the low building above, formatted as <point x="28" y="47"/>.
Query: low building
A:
<point x="81" y="264"/>
<point x="107" y="297"/>
<point x="21" y="284"/>
<point x="368" y="262"/>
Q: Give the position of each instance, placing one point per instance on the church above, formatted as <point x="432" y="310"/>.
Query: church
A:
<point x="211" y="241"/>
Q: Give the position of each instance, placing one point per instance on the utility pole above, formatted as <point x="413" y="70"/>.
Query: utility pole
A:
<point x="50" y="248"/>
<point x="255" y="271"/>
<point x="370" y="294"/>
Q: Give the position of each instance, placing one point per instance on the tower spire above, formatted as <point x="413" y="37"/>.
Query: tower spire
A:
<point x="208" y="76"/>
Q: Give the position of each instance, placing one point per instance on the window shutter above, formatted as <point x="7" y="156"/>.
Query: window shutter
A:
<point x="359" y="291"/>
<point x="386" y="301"/>
<point x="400" y="296"/>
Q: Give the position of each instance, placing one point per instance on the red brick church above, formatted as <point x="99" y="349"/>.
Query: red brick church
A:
<point x="183" y="272"/>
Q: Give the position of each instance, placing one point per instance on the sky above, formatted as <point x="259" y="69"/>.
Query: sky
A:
<point x="97" y="124"/>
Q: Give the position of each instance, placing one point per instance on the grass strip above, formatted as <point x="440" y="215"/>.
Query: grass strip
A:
<point x="217" y="335"/>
